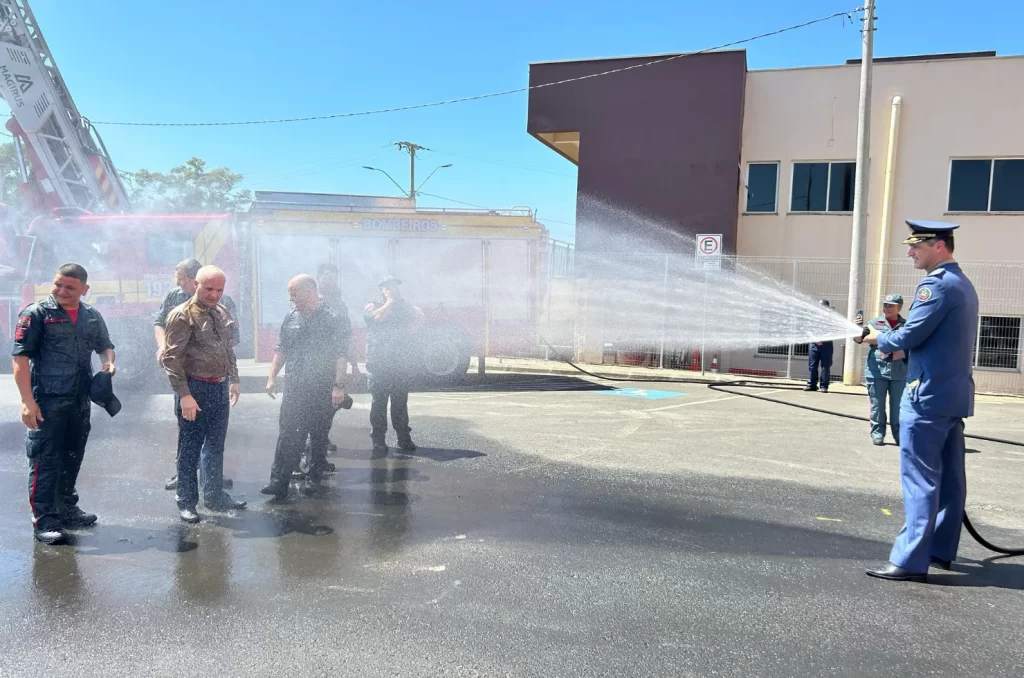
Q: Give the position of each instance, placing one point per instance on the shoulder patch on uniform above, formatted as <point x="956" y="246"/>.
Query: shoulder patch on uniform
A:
<point x="924" y="294"/>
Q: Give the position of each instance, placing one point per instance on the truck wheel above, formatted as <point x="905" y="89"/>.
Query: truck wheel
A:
<point x="135" y="357"/>
<point x="446" y="353"/>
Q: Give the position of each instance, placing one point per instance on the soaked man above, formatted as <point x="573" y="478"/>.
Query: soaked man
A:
<point x="185" y="279"/>
<point x="313" y="344"/>
<point x="389" y="362"/>
<point x="53" y="345"/>
<point x="200" y="362"/>
<point x="886" y="373"/>
<point x="938" y="338"/>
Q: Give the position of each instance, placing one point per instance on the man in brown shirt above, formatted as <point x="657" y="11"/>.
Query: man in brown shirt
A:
<point x="200" y="363"/>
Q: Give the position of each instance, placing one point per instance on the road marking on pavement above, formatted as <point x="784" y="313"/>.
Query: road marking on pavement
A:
<point x="887" y="512"/>
<point x="830" y="520"/>
<point x="709" y="400"/>
<point x="646" y="394"/>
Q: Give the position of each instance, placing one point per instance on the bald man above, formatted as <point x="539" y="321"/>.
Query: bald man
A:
<point x="200" y="363"/>
<point x="314" y="345"/>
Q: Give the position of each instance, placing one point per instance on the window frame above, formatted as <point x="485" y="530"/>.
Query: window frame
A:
<point x="828" y="185"/>
<point x="977" y="343"/>
<point x="746" y="186"/>
<point x="991" y="183"/>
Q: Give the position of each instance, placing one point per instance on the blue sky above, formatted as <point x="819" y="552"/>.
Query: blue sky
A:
<point x="191" y="60"/>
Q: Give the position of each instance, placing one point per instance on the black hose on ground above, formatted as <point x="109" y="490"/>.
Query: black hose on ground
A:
<point x="750" y="383"/>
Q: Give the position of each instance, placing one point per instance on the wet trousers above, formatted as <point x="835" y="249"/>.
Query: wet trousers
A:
<point x="55" y="451"/>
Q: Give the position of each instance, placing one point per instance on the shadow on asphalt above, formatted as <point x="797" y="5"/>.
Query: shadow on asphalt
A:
<point x="989" y="573"/>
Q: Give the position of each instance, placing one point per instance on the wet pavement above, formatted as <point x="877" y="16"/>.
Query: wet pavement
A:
<point x="548" y="526"/>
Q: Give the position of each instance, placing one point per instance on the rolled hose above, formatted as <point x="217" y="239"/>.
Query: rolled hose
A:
<point x="750" y="383"/>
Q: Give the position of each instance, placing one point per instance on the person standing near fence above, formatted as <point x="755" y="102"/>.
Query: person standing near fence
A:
<point x="886" y="373"/>
<point x="939" y="340"/>
<point x="819" y="355"/>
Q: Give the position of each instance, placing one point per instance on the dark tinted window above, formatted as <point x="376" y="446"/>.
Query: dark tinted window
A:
<point x="1008" y="186"/>
<point x="998" y="342"/>
<point x="840" y="193"/>
<point x="762" y="182"/>
<point x="810" y="187"/>
<point x="168" y="248"/>
<point x="968" y="185"/>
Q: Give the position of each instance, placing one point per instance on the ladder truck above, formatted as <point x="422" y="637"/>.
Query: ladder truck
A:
<point x="61" y="157"/>
<point x="79" y="210"/>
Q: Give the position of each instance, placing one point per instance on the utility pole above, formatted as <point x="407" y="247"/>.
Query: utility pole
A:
<point x="858" y="243"/>
<point x="411" y="148"/>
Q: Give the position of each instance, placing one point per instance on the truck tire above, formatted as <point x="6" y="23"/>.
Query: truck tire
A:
<point x="136" y="355"/>
<point x="445" y="351"/>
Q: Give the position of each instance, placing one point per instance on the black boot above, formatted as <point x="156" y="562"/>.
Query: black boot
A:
<point x="406" y="444"/>
<point x="380" y="449"/>
<point x="75" y="519"/>
<point x="278" y="491"/>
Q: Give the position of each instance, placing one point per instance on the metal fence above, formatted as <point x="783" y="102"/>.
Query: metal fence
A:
<point x="567" y="322"/>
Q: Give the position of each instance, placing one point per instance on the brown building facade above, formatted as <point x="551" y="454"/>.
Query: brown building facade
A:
<point x="657" y="148"/>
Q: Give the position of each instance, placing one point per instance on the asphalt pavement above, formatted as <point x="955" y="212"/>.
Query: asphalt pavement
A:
<point x="547" y="526"/>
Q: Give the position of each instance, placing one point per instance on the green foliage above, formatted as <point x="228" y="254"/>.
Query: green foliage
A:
<point x="188" y="188"/>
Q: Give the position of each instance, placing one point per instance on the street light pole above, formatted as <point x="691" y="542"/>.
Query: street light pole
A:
<point x="858" y="242"/>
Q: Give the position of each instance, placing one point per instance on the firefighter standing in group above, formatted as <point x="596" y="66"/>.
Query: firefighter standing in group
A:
<point x="389" y="362"/>
<point x="314" y="345"/>
<point x="53" y="345"/>
<point x="185" y="279"/>
<point x="938" y="338"/>
<point x="201" y="366"/>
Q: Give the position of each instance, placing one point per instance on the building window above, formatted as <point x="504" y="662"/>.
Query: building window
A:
<point x="998" y="345"/>
<point x="823" y="186"/>
<point x="762" y="186"/>
<point x="995" y="185"/>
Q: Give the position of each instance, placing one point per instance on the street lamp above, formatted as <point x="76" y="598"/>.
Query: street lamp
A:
<point x="375" y="169"/>
<point x="432" y="174"/>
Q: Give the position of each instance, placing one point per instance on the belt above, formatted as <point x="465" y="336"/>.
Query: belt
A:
<point x="210" y="380"/>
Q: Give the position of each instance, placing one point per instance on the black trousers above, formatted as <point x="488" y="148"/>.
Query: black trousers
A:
<point x="379" y="413"/>
<point x="304" y="413"/>
<point x="55" y="451"/>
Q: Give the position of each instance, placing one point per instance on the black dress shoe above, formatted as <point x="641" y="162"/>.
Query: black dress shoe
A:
<point x="276" y="491"/>
<point x="407" y="445"/>
<point x="189" y="515"/>
<point x="380" y="450"/>
<point x="896" y="573"/>
<point x="941" y="564"/>
<point x="50" y="535"/>
<point x="76" y="518"/>
<point x="810" y="388"/>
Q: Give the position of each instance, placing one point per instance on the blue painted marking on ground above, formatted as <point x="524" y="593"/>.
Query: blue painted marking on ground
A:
<point x="645" y="393"/>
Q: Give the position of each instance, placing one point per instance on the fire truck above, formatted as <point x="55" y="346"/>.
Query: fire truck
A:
<point x="479" y="275"/>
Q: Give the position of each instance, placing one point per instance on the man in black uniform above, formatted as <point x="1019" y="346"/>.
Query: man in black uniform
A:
<point x="389" y="362"/>
<point x="185" y="277"/>
<point x="53" y="345"/>
<point x="313" y="343"/>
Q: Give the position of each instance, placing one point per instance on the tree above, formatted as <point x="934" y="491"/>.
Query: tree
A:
<point x="188" y="188"/>
<point x="10" y="176"/>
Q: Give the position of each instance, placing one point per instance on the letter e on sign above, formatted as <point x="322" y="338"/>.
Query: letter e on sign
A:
<point x="708" y="252"/>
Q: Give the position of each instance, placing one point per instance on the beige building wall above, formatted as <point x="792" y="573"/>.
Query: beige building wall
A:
<point x="953" y="108"/>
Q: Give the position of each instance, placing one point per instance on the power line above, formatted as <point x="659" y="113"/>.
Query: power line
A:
<point x="479" y="97"/>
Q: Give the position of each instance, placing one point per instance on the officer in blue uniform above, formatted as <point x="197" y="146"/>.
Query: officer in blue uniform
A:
<point x="939" y="341"/>
<point x="886" y="373"/>
<point x="53" y="346"/>
<point x="819" y="354"/>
